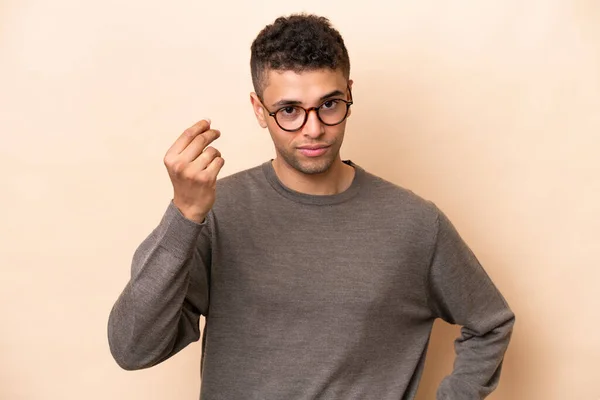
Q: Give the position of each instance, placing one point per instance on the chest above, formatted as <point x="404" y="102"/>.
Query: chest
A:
<point x="301" y="262"/>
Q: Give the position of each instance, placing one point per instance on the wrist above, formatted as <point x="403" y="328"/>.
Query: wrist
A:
<point x="191" y="213"/>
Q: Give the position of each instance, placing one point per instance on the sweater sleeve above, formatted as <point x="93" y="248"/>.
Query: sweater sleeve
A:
<point x="462" y="293"/>
<point x="158" y="312"/>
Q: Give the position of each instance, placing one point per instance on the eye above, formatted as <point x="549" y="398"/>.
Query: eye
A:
<point x="288" y="110"/>
<point x="330" y="104"/>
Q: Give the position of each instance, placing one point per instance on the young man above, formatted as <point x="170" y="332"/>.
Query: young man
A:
<point x="317" y="279"/>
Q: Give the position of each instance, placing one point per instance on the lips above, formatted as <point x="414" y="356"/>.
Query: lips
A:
<point x="313" y="151"/>
<point x="313" y="146"/>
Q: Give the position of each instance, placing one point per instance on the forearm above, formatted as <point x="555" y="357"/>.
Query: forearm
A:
<point x="153" y="317"/>
<point x="462" y="293"/>
<point x="479" y="357"/>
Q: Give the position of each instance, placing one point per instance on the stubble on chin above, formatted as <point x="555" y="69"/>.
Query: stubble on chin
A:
<point x="309" y="167"/>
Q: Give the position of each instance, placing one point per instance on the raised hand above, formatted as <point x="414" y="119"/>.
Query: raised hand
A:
<point x="193" y="167"/>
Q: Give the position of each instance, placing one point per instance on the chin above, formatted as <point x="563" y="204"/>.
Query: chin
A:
<point x="308" y="166"/>
<point x="312" y="167"/>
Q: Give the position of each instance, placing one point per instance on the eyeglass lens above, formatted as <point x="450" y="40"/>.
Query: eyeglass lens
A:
<point x="332" y="112"/>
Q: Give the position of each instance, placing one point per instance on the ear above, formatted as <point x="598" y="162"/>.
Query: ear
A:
<point x="259" y="110"/>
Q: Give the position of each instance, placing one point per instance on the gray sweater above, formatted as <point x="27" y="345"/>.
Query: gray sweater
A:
<point x="311" y="297"/>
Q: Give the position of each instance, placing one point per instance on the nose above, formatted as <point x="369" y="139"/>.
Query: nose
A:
<point x="313" y="127"/>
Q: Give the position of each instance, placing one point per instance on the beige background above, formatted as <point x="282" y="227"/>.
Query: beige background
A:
<point x="490" y="109"/>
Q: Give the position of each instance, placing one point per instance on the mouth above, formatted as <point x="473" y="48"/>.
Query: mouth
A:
<point x="313" y="151"/>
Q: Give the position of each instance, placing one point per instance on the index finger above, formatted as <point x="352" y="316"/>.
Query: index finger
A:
<point x="188" y="135"/>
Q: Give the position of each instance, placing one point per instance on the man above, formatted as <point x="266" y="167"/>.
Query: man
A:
<point x="317" y="279"/>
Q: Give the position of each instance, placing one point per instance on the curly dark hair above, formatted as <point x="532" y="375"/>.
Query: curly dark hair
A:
<point x="299" y="42"/>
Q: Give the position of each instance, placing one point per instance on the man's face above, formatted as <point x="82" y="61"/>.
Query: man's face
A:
<point x="315" y="147"/>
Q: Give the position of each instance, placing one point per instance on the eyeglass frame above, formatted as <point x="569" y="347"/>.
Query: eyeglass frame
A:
<point x="308" y="110"/>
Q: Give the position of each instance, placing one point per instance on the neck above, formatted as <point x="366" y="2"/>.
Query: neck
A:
<point x="336" y="179"/>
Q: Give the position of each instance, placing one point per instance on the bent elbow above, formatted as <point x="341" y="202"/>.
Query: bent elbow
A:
<point x="123" y="348"/>
<point x="127" y="363"/>
<point x="130" y="364"/>
<point x="126" y="356"/>
<point x="123" y="353"/>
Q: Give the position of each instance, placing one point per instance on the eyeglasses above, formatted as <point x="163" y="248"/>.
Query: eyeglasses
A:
<point x="331" y="112"/>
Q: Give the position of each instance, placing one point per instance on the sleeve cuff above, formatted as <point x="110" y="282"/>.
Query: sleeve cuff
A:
<point x="179" y="234"/>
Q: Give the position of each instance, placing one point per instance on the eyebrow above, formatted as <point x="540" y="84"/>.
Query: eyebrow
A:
<point x="284" y="102"/>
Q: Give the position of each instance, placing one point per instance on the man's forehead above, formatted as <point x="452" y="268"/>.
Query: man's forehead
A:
<point x="303" y="85"/>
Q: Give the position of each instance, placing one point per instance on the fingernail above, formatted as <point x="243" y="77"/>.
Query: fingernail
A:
<point x="207" y="120"/>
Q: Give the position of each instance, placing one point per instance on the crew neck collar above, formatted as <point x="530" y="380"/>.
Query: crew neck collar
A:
<point x="311" y="199"/>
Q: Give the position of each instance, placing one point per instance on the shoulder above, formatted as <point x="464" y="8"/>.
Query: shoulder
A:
<point x="243" y="186"/>
<point x="397" y="203"/>
<point x="382" y="190"/>
<point x="240" y="178"/>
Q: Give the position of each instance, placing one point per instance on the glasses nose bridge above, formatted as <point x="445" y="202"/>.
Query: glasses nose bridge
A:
<point x="307" y="115"/>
